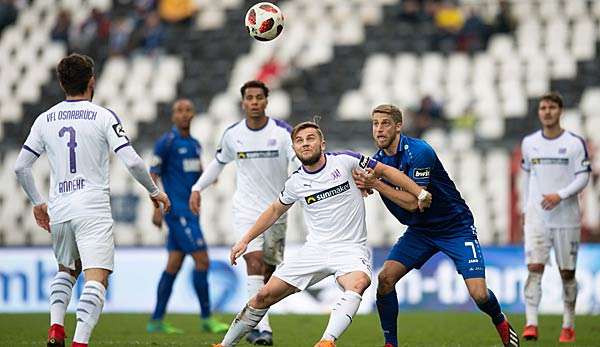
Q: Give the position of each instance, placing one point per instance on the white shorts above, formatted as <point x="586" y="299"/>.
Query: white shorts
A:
<point x="539" y="240"/>
<point x="271" y="242"/>
<point x="313" y="263"/>
<point x="87" y="238"/>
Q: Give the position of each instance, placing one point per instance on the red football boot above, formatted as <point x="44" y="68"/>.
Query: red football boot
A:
<point x="56" y="336"/>
<point x="77" y="344"/>
<point x="530" y="333"/>
<point x="567" y="335"/>
<point x="509" y="336"/>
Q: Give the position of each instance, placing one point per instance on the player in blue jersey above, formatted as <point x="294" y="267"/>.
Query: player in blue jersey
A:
<point x="447" y="226"/>
<point x="177" y="164"/>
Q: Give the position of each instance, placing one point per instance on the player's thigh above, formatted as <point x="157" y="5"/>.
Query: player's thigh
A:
<point x="274" y="244"/>
<point x="305" y="268"/>
<point x="537" y="239"/>
<point x="64" y="245"/>
<point x="463" y="248"/>
<point x="566" y="246"/>
<point x="256" y="245"/>
<point x="353" y="260"/>
<point x="94" y="237"/>
<point x="273" y="291"/>
<point x="412" y="250"/>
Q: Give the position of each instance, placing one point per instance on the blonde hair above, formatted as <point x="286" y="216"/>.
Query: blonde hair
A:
<point x="390" y="110"/>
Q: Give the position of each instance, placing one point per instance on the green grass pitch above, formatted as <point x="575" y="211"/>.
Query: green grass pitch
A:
<point x="415" y="329"/>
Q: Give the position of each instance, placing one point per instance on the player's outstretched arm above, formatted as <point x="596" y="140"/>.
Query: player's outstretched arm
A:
<point x="264" y="221"/>
<point x="138" y="169"/>
<point x="399" y="179"/>
<point x="208" y="177"/>
<point x="365" y="179"/>
<point x="24" y="174"/>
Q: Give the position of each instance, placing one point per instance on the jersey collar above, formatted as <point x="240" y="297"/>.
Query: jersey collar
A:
<point x="317" y="170"/>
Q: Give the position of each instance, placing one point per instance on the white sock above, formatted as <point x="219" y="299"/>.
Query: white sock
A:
<point x="245" y="321"/>
<point x="341" y="315"/>
<point x="88" y="310"/>
<point x="254" y="284"/>
<point x="60" y="296"/>
<point x="569" y="298"/>
<point x="533" y="295"/>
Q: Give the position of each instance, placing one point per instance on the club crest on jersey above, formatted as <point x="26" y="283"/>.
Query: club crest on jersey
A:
<point x="363" y="162"/>
<point x="272" y="142"/>
<point x="562" y="150"/>
<point x="118" y="128"/>
<point x="328" y="193"/>
<point x="421" y="172"/>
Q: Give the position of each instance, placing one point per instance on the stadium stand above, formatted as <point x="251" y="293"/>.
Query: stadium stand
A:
<point x="336" y="59"/>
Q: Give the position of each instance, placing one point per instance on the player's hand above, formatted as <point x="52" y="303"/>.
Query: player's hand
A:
<point x="40" y="213"/>
<point x="157" y="217"/>
<point x="364" y="179"/>
<point x="550" y="201"/>
<point x="236" y="251"/>
<point x="195" y="201"/>
<point x="161" y="199"/>
<point x="424" y="200"/>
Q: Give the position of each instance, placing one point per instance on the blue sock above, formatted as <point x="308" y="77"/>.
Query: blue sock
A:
<point x="201" y="287"/>
<point x="492" y="308"/>
<point x="387" y="307"/>
<point x="165" y="286"/>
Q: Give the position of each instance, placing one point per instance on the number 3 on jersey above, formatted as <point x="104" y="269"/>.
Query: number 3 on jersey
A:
<point x="71" y="144"/>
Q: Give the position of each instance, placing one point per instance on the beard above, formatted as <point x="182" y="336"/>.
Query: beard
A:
<point x="310" y="160"/>
<point x="385" y="144"/>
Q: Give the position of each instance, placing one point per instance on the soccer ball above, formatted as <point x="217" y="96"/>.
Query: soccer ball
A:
<point x="264" y="21"/>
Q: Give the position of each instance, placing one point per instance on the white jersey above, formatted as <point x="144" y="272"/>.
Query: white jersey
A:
<point x="552" y="165"/>
<point x="78" y="136"/>
<point x="262" y="158"/>
<point x="334" y="209"/>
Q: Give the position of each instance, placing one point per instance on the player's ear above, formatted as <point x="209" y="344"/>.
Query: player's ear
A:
<point x="92" y="83"/>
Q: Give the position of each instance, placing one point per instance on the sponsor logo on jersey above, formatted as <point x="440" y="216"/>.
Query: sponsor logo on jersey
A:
<point x="333" y="191"/>
<point x="421" y="172"/>
<point x="257" y="154"/>
<point x="562" y="150"/>
<point x="118" y="128"/>
<point x="364" y="162"/>
<point x="550" y="161"/>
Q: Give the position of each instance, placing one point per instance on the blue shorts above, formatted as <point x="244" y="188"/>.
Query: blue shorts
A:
<point x="414" y="248"/>
<point x="184" y="234"/>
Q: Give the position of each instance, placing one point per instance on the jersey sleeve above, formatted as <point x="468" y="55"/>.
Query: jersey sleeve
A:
<point x="354" y="160"/>
<point x="288" y="195"/>
<point x="34" y="142"/>
<point x="581" y="160"/>
<point x="525" y="165"/>
<point x="225" y="152"/>
<point x="421" y="165"/>
<point x="159" y="156"/>
<point x="115" y="133"/>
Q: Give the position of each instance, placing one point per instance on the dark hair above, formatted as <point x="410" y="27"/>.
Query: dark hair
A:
<point x="306" y="125"/>
<point x="254" y="84"/>
<point x="554" y="97"/>
<point x="74" y="73"/>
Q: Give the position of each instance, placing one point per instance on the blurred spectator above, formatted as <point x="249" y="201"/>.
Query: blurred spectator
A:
<point x="429" y="114"/>
<point x="120" y="33"/>
<point x="412" y="11"/>
<point x="177" y="11"/>
<point x="149" y="37"/>
<point x="8" y="13"/>
<point x="504" y="21"/>
<point x="449" y="20"/>
<point x="62" y="27"/>
<point x="474" y="33"/>
<point x="92" y="36"/>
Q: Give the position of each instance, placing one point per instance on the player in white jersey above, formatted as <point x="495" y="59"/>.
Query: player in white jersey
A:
<point x="78" y="136"/>
<point x="334" y="213"/>
<point x="262" y="150"/>
<point x="555" y="168"/>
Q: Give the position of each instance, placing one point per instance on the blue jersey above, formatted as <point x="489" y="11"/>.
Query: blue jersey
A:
<point x="448" y="212"/>
<point x="177" y="162"/>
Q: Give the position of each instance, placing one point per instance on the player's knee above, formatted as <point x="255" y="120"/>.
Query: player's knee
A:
<point x="537" y="268"/>
<point x="173" y="268"/>
<point x="262" y="299"/>
<point x="479" y="295"/>
<point x="567" y="275"/>
<point x="254" y="266"/>
<point x="361" y="284"/>
<point x="386" y="283"/>
<point x="202" y="264"/>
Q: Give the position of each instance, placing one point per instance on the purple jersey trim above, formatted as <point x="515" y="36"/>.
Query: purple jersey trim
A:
<point x="316" y="171"/>
<point x="582" y="143"/>
<point x="31" y="150"/>
<point x="283" y="124"/>
<point x="122" y="146"/>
